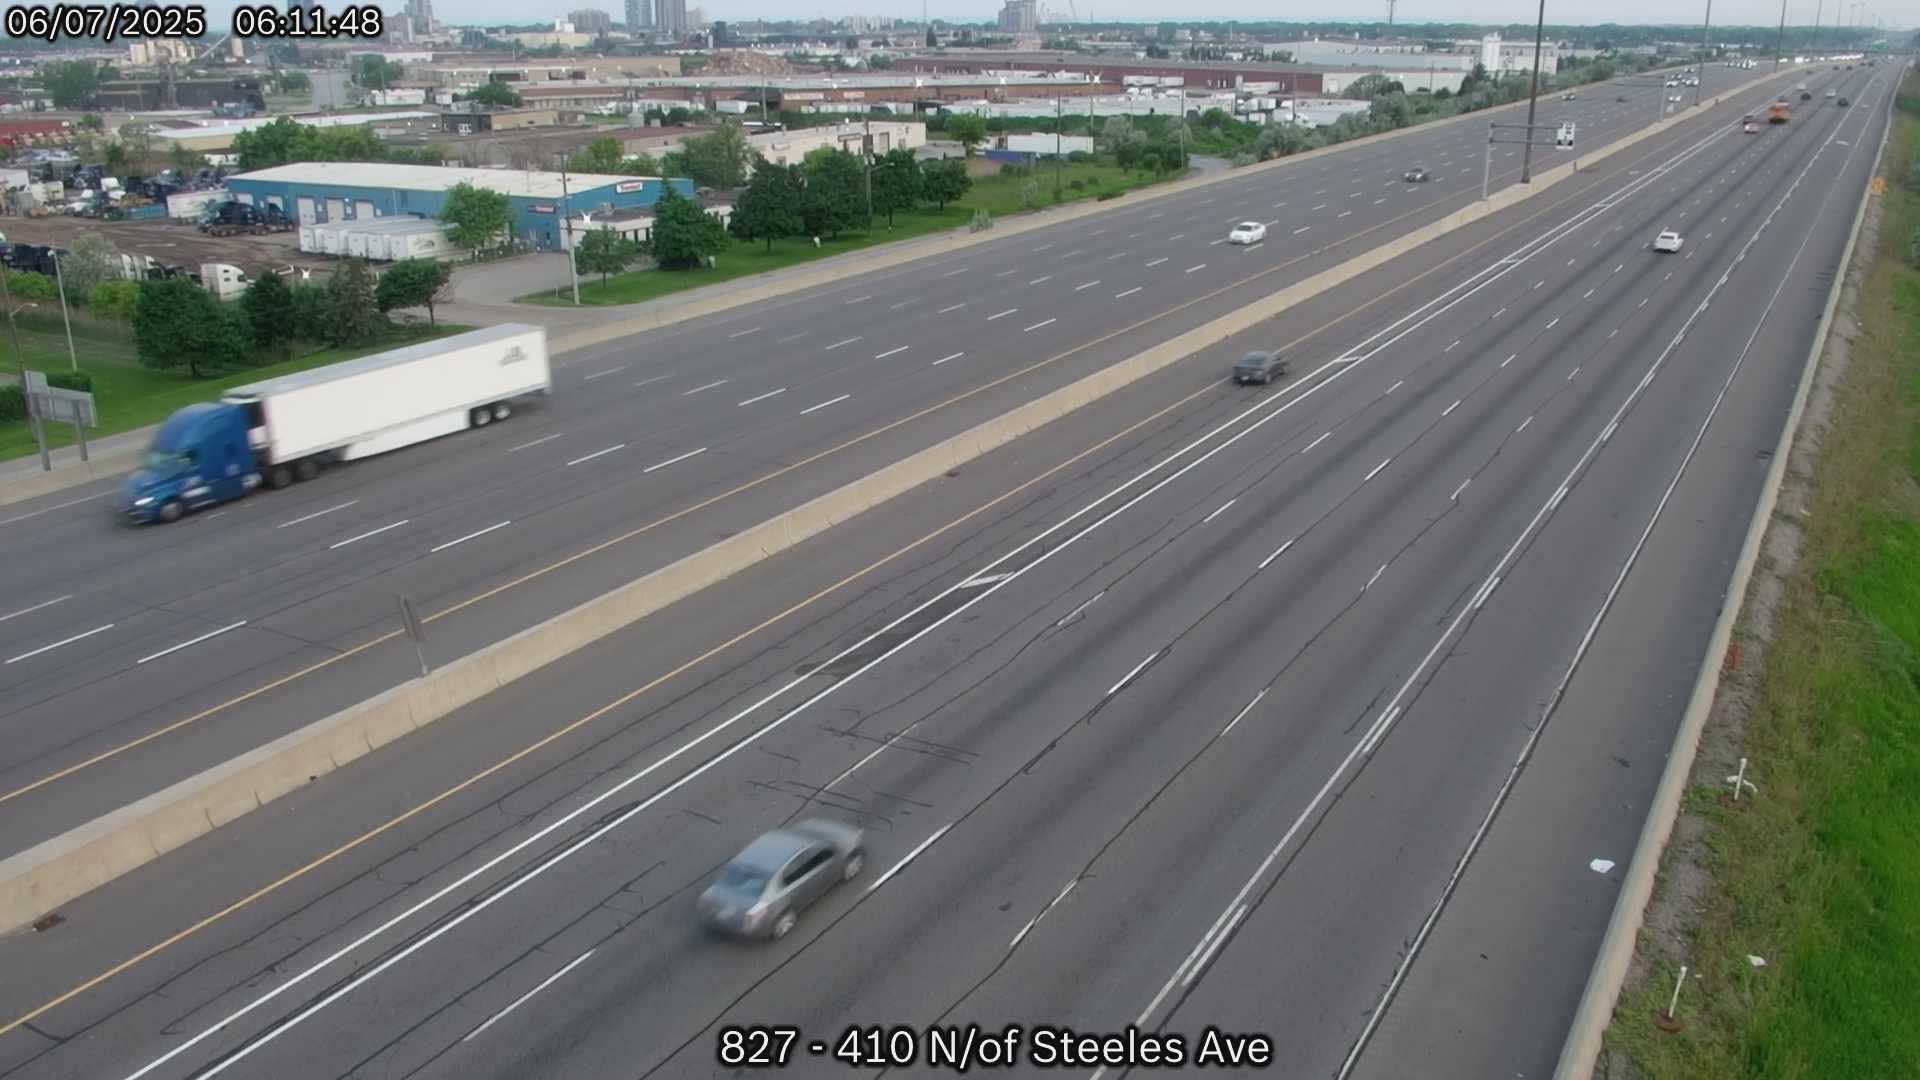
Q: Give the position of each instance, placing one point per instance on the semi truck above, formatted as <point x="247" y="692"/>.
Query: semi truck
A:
<point x="1777" y="112"/>
<point x="287" y="429"/>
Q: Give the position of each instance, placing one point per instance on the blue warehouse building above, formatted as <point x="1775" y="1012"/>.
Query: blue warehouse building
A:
<point x="334" y="191"/>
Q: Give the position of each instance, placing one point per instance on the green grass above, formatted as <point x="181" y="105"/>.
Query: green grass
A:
<point x="1820" y="872"/>
<point x="128" y="396"/>
<point x="998" y="194"/>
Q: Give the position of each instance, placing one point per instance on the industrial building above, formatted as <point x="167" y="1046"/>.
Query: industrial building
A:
<point x="479" y="121"/>
<point x="341" y="191"/>
<point x="212" y="138"/>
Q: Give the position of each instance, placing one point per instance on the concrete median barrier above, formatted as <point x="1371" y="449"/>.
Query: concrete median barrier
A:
<point x="38" y="880"/>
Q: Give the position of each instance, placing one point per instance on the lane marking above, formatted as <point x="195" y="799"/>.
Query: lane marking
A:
<point x="1137" y="669"/>
<point x="657" y="378"/>
<point x="908" y="857"/>
<point x="195" y="641"/>
<point x="1038" y="280"/>
<point x="1301" y="229"/>
<point x="951" y="308"/>
<point x="1222" y="510"/>
<point x="375" y="532"/>
<point x="1317" y="442"/>
<point x="1376" y="471"/>
<point x="1395" y="386"/>
<point x="1245" y="711"/>
<point x="837" y="344"/>
<point x="1191" y="269"/>
<point x="469" y="536"/>
<point x="328" y="510"/>
<point x="677" y="459"/>
<point x="1449" y="410"/>
<point x="1450" y="348"/>
<point x="57" y="644"/>
<point x="944" y="359"/>
<point x="709" y="386"/>
<point x="762" y="397"/>
<point x="1038" y="325"/>
<point x="1455" y="497"/>
<point x="1006" y="273"/>
<point x="1277" y="552"/>
<point x="1156" y="262"/>
<point x="892" y="352"/>
<point x="1003" y="314"/>
<point x="1509" y="360"/>
<point x="824" y="404"/>
<point x="523" y="998"/>
<point x="598" y="453"/>
<point x="56" y="506"/>
<point x="1129" y="292"/>
<point x="858" y="300"/>
<point x="36" y="607"/>
<point x="1088" y="285"/>
<point x="522" y="446"/>
<point x="951" y="273"/>
<point x="1116" y="255"/>
<point x="602" y="374"/>
<point x="744" y="333"/>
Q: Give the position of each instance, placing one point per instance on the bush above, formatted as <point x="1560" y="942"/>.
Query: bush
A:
<point x="1077" y="184"/>
<point x="1110" y="194"/>
<point x="1913" y="249"/>
<point x="1008" y="168"/>
<point x="982" y="221"/>
<point x="13" y="402"/>
<point x="1079" y="157"/>
<point x="70" y="380"/>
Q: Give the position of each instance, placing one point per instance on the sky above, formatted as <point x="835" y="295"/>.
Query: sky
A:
<point x="1496" y="12"/>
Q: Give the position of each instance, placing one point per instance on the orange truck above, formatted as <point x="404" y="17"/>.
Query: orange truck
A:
<point x="1777" y="112"/>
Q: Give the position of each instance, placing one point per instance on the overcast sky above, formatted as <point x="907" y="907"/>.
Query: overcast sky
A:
<point x="1749" y="12"/>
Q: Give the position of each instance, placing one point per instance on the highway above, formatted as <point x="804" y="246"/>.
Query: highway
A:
<point x="1185" y="710"/>
<point x="133" y="658"/>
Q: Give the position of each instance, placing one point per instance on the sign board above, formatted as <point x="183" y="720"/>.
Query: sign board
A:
<point x="541" y="208"/>
<point x="630" y="186"/>
<point x="71" y="406"/>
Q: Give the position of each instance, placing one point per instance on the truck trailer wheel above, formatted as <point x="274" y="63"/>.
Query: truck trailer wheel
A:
<point x="502" y="411"/>
<point x="305" y="469"/>
<point x="172" y="510"/>
<point x="482" y="416"/>
<point x="279" y="476"/>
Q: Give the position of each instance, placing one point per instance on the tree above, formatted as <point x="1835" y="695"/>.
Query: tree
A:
<point x="677" y="116"/>
<point x="897" y="183"/>
<point x="90" y="262"/>
<point x="476" y="217"/>
<point x="967" y="129"/>
<point x="640" y="165"/>
<point x="312" y="311"/>
<point x="376" y="72"/>
<point x="114" y="299"/>
<point x="268" y="305"/>
<point x="602" y="155"/>
<point x="413" y="283"/>
<point x="771" y="206"/>
<point x="114" y="157"/>
<point x="177" y="324"/>
<point x="683" y="234"/>
<point x="92" y="122"/>
<point x="945" y="181"/>
<point x="604" y="252"/>
<point x="932" y="42"/>
<point x="495" y="95"/>
<point x="31" y="285"/>
<point x="290" y="82"/>
<point x="833" y="201"/>
<point x="356" y="317"/>
<point x="73" y="83"/>
<point x="1390" y="111"/>
<point x="719" y="159"/>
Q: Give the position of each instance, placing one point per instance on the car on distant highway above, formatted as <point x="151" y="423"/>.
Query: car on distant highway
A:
<point x="1806" y="95"/>
<point x="1620" y="97"/>
<point x="1842" y="103"/>
<point x="761" y="892"/>
<point x="1247" y="232"/>
<point x="1833" y="93"/>
<point x="1417" y="175"/>
<point x="1668" y="241"/>
<point x="1568" y="96"/>
<point x="1260" y="367"/>
<point x="1673" y="98"/>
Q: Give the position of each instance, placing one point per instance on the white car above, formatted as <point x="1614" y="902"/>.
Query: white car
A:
<point x="1668" y="241"/>
<point x="1247" y="232"/>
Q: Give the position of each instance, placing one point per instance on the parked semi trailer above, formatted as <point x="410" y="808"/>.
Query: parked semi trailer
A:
<point x="287" y="429"/>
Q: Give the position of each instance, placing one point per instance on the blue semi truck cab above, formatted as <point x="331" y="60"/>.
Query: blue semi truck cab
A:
<point x="199" y="456"/>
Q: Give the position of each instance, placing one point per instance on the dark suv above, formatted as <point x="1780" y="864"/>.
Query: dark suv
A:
<point x="1260" y="367"/>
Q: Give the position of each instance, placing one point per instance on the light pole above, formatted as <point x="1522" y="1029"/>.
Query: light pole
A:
<point x="1533" y="95"/>
<point x="1780" y="41"/>
<point x="60" y="282"/>
<point x="566" y="215"/>
<point x="1057" y="119"/>
<point x="1700" y="78"/>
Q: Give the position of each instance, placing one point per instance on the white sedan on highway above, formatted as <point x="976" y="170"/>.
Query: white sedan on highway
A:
<point x="1668" y="241"/>
<point x="1247" y="232"/>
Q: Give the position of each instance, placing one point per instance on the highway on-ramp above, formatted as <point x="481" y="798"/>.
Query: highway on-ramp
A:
<point x="133" y="658"/>
<point x="1183" y="711"/>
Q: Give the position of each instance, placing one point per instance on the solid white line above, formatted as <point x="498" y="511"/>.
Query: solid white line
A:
<point x="1088" y="285"/>
<point x="708" y="386"/>
<point x="376" y="532"/>
<point x="468" y="537"/>
<point x="522" y="999"/>
<point x="609" y="371"/>
<point x="944" y="359"/>
<point x="1222" y="510"/>
<point x="891" y="352"/>
<point x="1245" y="711"/>
<point x="951" y="307"/>
<point x="36" y="607"/>
<point x="320" y="513"/>
<point x="1137" y="669"/>
<point x="763" y="397"/>
<point x="515" y="449"/>
<point x="909" y="857"/>
<point x="1277" y="552"/>
<point x="1191" y="269"/>
<point x="1038" y="325"/>
<point x="1124" y="295"/>
<point x="56" y="506"/>
<point x="1038" y="280"/>
<point x="1003" y="314"/>
<point x="859" y="300"/>
<point x="598" y="453"/>
<point x="675" y="460"/>
<point x="990" y="579"/>
<point x="837" y="344"/>
<point x="195" y="641"/>
<point x="744" y="333"/>
<point x="1194" y="972"/>
<point x="57" y="644"/>
<point x="824" y="404"/>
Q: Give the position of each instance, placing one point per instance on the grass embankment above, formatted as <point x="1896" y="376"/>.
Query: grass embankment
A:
<point x="1819" y="873"/>
<point x="128" y="396"/>
<point x="999" y="194"/>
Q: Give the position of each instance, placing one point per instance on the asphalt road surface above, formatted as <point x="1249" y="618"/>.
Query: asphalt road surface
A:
<point x="133" y="658"/>
<point x="1188" y="710"/>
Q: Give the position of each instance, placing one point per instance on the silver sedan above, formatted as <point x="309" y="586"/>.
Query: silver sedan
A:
<point x="761" y="892"/>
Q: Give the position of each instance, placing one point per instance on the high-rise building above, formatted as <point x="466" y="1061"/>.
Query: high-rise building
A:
<point x="1020" y="17"/>
<point x="639" y="16"/>
<point x="420" y="14"/>
<point x="591" y="21"/>
<point x="696" y="19"/>
<point x="670" y="17"/>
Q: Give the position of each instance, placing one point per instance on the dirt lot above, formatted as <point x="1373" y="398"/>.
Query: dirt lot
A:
<point x="175" y="244"/>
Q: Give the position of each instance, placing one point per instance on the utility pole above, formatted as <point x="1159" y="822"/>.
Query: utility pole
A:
<point x="866" y="166"/>
<point x="566" y="211"/>
<point x="60" y="282"/>
<point x="1701" y="80"/>
<point x="1780" y="41"/>
<point x="1058" y="120"/>
<point x="1533" y="95"/>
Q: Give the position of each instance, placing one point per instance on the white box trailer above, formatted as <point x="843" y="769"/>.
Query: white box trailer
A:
<point x="361" y="238"/>
<point x="425" y="244"/>
<point x="333" y="237"/>
<point x="189" y="205"/>
<point x="383" y="402"/>
<point x="379" y="241"/>
<point x="314" y="237"/>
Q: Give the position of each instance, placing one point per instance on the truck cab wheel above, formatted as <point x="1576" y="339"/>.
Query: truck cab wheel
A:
<point x="481" y="416"/>
<point x="279" y="476"/>
<point x="305" y="469"/>
<point x="502" y="411"/>
<point x="172" y="510"/>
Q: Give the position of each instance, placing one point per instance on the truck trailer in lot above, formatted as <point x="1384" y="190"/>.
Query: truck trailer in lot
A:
<point x="289" y="428"/>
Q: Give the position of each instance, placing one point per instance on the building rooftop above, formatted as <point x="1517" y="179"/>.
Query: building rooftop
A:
<point x="523" y="183"/>
<point x="235" y="127"/>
